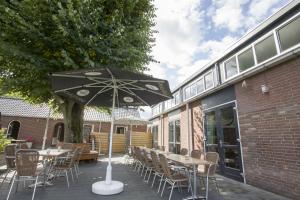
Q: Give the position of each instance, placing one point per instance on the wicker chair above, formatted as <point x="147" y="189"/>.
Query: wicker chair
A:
<point x="26" y="167"/>
<point x="148" y="165"/>
<point x="171" y="178"/>
<point x="140" y="161"/>
<point x="23" y="146"/>
<point x="158" y="170"/>
<point x="184" y="152"/>
<point x="162" y="148"/>
<point x="209" y="171"/>
<point x="196" y="154"/>
<point x="10" y="157"/>
<point x="66" y="164"/>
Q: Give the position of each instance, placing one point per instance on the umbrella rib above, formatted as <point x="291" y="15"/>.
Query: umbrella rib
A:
<point x="141" y="88"/>
<point x="75" y="87"/>
<point x="78" y="76"/>
<point x="99" y="92"/>
<point x="132" y="93"/>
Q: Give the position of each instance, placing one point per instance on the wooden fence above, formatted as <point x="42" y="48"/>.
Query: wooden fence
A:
<point x="120" y="141"/>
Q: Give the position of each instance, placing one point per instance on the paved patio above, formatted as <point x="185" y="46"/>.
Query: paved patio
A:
<point x="135" y="188"/>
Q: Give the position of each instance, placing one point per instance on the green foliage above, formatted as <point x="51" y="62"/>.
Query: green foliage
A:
<point x="40" y="37"/>
<point x="3" y="140"/>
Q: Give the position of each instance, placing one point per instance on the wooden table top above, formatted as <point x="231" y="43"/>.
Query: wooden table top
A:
<point x="184" y="160"/>
<point x="53" y="152"/>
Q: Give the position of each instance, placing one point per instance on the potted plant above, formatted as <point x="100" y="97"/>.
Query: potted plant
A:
<point x="29" y="140"/>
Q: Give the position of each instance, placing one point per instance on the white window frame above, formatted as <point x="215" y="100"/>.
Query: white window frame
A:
<point x="243" y="51"/>
<point x="224" y="69"/>
<point x="213" y="77"/>
<point x="118" y="126"/>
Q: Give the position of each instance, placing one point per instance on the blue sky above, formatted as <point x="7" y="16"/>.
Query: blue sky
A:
<point x="193" y="32"/>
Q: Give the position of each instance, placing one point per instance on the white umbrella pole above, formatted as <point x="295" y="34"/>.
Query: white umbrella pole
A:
<point x="46" y="130"/>
<point x="108" y="169"/>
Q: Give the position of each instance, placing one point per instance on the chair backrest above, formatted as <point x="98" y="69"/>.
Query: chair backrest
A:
<point x="196" y="154"/>
<point x="10" y="155"/>
<point x="162" y="148"/>
<point x="146" y="158"/>
<point x="139" y="154"/>
<point x="67" y="146"/>
<point x="155" y="161"/>
<point x="73" y="157"/>
<point x="184" y="152"/>
<point x="212" y="157"/>
<point x="23" y="146"/>
<point x="26" y="162"/>
<point x="164" y="164"/>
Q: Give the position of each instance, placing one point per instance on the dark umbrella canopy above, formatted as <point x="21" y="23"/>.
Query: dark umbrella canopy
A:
<point x="95" y="87"/>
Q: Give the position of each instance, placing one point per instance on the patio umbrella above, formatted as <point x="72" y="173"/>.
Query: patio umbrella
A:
<point x="110" y="87"/>
<point x="132" y="120"/>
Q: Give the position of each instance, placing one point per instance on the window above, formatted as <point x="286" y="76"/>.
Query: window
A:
<point x="209" y="80"/>
<point x="193" y="89"/>
<point x="230" y="68"/>
<point x="187" y="93"/>
<point x="120" y="130"/>
<point x="265" y="49"/>
<point x="177" y="98"/>
<point x="289" y="34"/>
<point x="200" y="86"/>
<point x="155" y="136"/>
<point x="13" y="129"/>
<point x="246" y="60"/>
<point x="174" y="136"/>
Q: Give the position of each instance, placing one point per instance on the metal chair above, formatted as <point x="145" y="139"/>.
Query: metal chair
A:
<point x="208" y="172"/>
<point x="171" y="178"/>
<point x="66" y="164"/>
<point x="10" y="157"/>
<point x="26" y="168"/>
<point x="158" y="171"/>
<point x="148" y="165"/>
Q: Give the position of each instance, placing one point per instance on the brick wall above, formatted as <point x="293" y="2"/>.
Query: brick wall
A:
<point x="197" y="125"/>
<point x="270" y="129"/>
<point x="36" y="128"/>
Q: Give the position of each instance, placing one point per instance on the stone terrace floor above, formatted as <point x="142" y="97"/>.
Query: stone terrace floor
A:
<point x="135" y="188"/>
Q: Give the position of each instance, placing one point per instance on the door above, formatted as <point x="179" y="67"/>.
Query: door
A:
<point x="174" y="136"/>
<point x="222" y="136"/>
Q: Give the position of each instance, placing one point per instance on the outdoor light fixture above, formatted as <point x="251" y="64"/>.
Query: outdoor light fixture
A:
<point x="128" y="99"/>
<point x="93" y="73"/>
<point x="151" y="87"/>
<point x="82" y="92"/>
<point x="265" y="89"/>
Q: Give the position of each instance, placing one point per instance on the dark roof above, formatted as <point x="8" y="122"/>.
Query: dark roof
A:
<point x="18" y="107"/>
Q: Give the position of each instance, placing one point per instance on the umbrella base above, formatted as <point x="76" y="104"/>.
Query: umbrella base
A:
<point x="102" y="188"/>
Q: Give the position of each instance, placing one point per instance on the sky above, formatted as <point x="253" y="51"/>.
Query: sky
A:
<point x="193" y="32"/>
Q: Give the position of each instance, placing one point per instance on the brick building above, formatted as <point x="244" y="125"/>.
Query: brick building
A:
<point x="22" y="119"/>
<point x="245" y="104"/>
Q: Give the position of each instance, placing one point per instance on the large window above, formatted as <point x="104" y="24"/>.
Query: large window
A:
<point x="265" y="49"/>
<point x="209" y="80"/>
<point x="155" y="136"/>
<point x="174" y="136"/>
<point x="289" y="34"/>
<point x="120" y="130"/>
<point x="230" y="68"/>
<point x="200" y="86"/>
<point x="193" y="89"/>
<point x="177" y="98"/>
<point x="246" y="60"/>
<point x="187" y="93"/>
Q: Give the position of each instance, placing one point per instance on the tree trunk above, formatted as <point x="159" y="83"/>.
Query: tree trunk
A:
<point x="73" y="119"/>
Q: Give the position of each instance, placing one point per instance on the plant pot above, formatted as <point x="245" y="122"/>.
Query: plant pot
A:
<point x="29" y="145"/>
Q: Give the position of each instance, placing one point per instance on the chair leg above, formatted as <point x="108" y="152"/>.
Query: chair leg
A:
<point x="149" y="175"/>
<point x="34" y="187"/>
<point x="12" y="184"/>
<point x="163" y="188"/>
<point x="147" y="169"/>
<point x="216" y="183"/>
<point x="4" y="178"/>
<point x="171" y="191"/>
<point x="153" y="180"/>
<point x="66" y="172"/>
<point x="160" y="182"/>
<point x="71" y="171"/>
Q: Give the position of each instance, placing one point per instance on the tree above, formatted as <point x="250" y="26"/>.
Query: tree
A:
<point x="38" y="37"/>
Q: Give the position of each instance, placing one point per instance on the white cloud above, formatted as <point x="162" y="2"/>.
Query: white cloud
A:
<point x="215" y="47"/>
<point x="228" y="14"/>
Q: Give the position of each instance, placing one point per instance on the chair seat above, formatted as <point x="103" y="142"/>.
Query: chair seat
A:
<point x="179" y="177"/>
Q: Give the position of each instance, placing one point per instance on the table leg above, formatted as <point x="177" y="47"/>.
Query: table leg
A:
<point x="194" y="195"/>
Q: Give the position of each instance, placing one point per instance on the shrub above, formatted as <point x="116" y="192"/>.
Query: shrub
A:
<point x="3" y="140"/>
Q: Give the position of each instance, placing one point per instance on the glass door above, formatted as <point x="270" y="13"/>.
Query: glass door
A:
<point x="222" y="136"/>
<point x="174" y="136"/>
